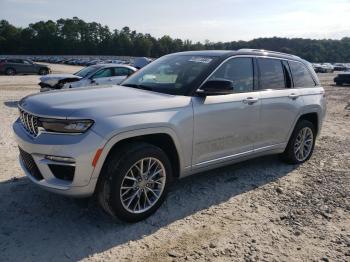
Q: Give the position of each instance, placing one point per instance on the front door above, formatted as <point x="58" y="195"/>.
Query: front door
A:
<point x="102" y="77"/>
<point x="226" y="126"/>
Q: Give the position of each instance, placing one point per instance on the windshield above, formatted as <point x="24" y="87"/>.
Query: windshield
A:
<point x="170" y="74"/>
<point x="87" y="71"/>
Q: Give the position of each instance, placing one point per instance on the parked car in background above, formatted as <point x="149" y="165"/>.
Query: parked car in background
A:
<point x="140" y="62"/>
<point x="323" y="68"/>
<point x="340" y="67"/>
<point x="342" y="78"/>
<point x="100" y="74"/>
<point x="13" y="66"/>
<point x="182" y="114"/>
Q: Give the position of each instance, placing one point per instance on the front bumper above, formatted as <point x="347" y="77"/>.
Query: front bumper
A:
<point x="81" y="148"/>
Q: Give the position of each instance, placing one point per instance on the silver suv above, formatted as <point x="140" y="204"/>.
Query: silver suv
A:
<point x="180" y="115"/>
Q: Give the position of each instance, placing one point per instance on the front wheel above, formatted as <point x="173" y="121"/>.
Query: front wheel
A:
<point x="43" y="71"/>
<point x="301" y="143"/>
<point x="135" y="182"/>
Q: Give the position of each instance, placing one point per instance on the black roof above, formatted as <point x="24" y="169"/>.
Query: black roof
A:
<point x="255" y="52"/>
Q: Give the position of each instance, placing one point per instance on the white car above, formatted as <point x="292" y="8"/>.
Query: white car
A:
<point x="94" y="75"/>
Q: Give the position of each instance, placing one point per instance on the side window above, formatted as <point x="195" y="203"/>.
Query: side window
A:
<point x="238" y="70"/>
<point x="271" y="74"/>
<point x="16" y="61"/>
<point x="103" y="73"/>
<point x="121" y="71"/>
<point x="26" y="62"/>
<point x="301" y="75"/>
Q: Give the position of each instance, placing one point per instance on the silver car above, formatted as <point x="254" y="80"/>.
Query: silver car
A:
<point x="101" y="74"/>
<point x="180" y="115"/>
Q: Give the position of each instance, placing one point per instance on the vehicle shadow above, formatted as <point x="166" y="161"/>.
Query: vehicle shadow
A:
<point x="12" y="104"/>
<point x="42" y="226"/>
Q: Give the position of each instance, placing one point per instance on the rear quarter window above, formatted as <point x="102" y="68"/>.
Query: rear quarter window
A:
<point x="301" y="75"/>
<point x="271" y="74"/>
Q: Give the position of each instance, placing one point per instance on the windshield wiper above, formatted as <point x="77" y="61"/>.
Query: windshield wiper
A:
<point x="139" y="86"/>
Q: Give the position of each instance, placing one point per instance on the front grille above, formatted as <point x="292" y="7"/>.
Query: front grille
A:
<point x="30" y="165"/>
<point x="29" y="122"/>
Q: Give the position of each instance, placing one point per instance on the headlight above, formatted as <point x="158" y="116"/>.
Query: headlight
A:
<point x="65" y="126"/>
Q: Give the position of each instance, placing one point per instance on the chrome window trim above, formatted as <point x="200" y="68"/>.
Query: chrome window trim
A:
<point x="254" y="56"/>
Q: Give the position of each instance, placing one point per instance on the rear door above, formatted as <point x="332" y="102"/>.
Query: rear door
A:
<point x="226" y="126"/>
<point x="17" y="64"/>
<point x="280" y="103"/>
<point x="120" y="73"/>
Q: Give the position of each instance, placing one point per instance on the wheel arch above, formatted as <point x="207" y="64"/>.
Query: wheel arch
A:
<point x="164" y="138"/>
<point x="10" y="67"/>
<point x="313" y="118"/>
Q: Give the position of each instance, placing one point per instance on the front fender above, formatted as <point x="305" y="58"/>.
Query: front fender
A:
<point x="140" y="132"/>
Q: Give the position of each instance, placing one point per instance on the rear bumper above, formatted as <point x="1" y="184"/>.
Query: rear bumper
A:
<point x="80" y="149"/>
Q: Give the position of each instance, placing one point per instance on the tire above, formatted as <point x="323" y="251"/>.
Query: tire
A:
<point x="339" y="83"/>
<point x="10" y="71"/>
<point x="290" y="155"/>
<point x="43" y="71"/>
<point x="116" y="174"/>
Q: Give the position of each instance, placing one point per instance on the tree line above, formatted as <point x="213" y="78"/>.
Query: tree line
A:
<point x="77" y="37"/>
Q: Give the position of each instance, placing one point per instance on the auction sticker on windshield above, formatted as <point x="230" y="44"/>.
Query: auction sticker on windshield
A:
<point x="197" y="59"/>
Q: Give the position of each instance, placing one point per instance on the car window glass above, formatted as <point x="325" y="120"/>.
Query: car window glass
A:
<point x="238" y="70"/>
<point x="103" y="73"/>
<point x="121" y="71"/>
<point x="17" y="61"/>
<point x="301" y="75"/>
<point x="271" y="74"/>
<point x="26" y="62"/>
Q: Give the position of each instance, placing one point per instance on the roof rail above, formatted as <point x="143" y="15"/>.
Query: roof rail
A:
<point x="266" y="51"/>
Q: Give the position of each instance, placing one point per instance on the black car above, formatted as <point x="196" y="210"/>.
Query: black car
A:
<point x="342" y="78"/>
<point x="12" y="66"/>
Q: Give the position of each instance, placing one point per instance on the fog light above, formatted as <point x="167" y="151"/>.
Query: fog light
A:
<point x="60" y="159"/>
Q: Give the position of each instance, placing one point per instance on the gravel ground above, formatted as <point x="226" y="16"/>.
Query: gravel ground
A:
<point x="258" y="210"/>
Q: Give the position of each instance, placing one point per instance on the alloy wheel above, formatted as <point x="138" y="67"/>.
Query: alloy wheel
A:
<point x="143" y="185"/>
<point x="303" y="144"/>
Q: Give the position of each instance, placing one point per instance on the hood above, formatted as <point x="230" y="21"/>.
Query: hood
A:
<point x="41" y="65"/>
<point x="54" y="78"/>
<point x="58" y="77"/>
<point x="97" y="102"/>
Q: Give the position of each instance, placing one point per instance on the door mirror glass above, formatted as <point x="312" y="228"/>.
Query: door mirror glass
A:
<point x="216" y="87"/>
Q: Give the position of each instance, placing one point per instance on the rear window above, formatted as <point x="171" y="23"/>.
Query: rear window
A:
<point x="301" y="75"/>
<point x="271" y="74"/>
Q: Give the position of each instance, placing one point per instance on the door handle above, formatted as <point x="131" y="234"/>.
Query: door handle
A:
<point x="250" y="100"/>
<point x="293" y="96"/>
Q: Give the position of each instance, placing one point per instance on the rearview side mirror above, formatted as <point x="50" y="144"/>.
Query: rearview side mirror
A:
<point x="216" y="87"/>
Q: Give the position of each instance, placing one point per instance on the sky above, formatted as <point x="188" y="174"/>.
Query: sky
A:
<point x="197" y="20"/>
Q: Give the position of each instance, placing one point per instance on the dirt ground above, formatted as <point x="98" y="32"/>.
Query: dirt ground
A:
<point x="259" y="210"/>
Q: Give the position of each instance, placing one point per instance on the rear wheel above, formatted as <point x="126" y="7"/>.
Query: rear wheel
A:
<point x="135" y="182"/>
<point x="10" y="71"/>
<point x="339" y="83"/>
<point x="301" y="143"/>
